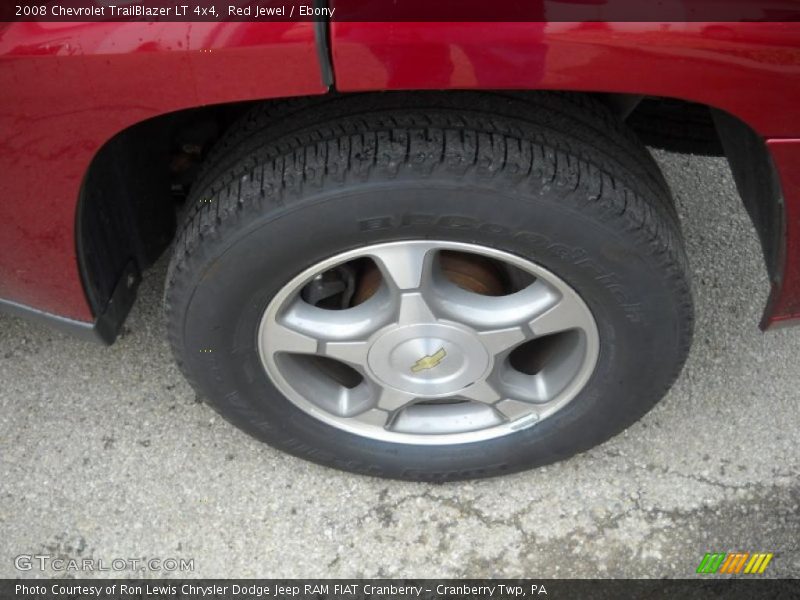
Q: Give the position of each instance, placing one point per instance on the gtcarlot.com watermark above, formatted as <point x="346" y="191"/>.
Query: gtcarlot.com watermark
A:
<point x="46" y="562"/>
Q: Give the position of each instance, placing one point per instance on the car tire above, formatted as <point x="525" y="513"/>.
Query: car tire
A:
<point x="524" y="189"/>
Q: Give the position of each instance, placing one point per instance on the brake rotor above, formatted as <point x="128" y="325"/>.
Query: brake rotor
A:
<point x="471" y="272"/>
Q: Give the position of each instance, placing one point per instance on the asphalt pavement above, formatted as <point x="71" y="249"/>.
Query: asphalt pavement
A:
<point x="107" y="454"/>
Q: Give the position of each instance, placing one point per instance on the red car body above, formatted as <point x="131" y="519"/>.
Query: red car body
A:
<point x="67" y="89"/>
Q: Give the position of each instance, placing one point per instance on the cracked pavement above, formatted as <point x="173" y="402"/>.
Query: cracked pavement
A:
<point x="106" y="452"/>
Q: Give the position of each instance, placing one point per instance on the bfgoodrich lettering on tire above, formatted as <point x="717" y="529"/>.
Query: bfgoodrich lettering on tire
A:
<point x="431" y="286"/>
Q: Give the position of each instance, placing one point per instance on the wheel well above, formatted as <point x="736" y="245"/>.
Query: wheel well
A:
<point x="127" y="206"/>
<point x="134" y="186"/>
<point x="676" y="125"/>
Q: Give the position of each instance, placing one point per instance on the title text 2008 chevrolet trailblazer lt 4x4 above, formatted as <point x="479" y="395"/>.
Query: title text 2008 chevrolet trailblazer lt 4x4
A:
<point x="421" y="250"/>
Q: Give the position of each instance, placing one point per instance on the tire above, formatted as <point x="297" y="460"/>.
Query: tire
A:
<point x="549" y="180"/>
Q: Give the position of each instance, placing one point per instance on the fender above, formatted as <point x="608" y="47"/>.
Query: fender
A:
<point x="68" y="88"/>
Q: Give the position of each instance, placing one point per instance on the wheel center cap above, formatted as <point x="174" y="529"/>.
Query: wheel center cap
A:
<point x="428" y="359"/>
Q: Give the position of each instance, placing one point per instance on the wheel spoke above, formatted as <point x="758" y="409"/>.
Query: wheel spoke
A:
<point x="514" y="410"/>
<point x="345" y="402"/>
<point x="352" y="324"/>
<point x="524" y="387"/>
<point x="500" y="340"/>
<point x="404" y="264"/>
<point x="284" y="339"/>
<point x="493" y="312"/>
<point x="374" y="416"/>
<point x="390" y="399"/>
<point x="481" y="391"/>
<point x="354" y="353"/>
<point x="567" y="313"/>
<point x="414" y="309"/>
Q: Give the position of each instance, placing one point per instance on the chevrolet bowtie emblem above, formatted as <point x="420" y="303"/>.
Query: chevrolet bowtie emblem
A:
<point x="429" y="362"/>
